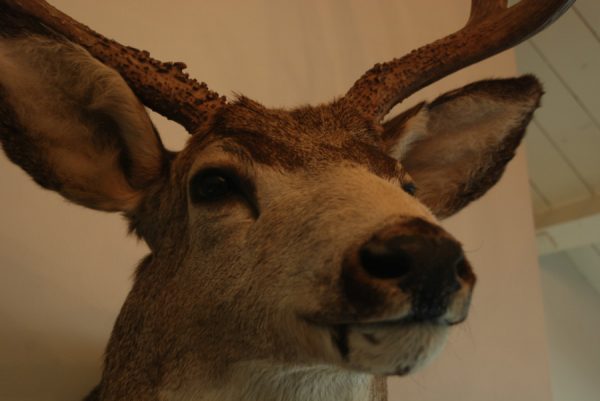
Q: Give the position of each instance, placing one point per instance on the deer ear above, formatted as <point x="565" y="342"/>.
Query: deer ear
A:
<point x="74" y="125"/>
<point x="456" y="148"/>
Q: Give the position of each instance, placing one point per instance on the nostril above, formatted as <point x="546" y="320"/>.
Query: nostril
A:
<point x="384" y="260"/>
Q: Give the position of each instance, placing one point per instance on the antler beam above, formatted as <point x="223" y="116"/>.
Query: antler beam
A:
<point x="163" y="87"/>
<point x="492" y="27"/>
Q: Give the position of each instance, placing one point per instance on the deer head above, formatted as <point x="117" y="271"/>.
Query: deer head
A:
<point x="294" y="253"/>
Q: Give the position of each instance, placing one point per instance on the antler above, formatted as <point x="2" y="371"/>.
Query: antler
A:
<point x="163" y="87"/>
<point x="492" y="27"/>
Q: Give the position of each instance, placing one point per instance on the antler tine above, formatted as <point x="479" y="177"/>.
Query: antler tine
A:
<point x="163" y="87"/>
<point x="492" y="27"/>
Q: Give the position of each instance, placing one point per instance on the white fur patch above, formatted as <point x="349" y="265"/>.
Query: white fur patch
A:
<point x="269" y="382"/>
<point x="415" y="129"/>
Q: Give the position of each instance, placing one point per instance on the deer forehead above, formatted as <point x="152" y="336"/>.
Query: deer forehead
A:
<point x="308" y="138"/>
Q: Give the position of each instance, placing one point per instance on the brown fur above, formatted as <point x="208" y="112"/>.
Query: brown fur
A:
<point x="303" y="138"/>
<point x="242" y="301"/>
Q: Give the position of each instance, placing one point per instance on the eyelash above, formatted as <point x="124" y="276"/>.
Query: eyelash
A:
<point x="200" y="185"/>
<point x="409" y="188"/>
<point x="234" y="185"/>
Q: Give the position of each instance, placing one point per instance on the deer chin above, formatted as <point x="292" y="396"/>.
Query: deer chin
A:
<point x="391" y="348"/>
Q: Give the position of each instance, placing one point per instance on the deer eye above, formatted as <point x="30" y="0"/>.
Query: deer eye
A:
<point x="211" y="185"/>
<point x="409" y="188"/>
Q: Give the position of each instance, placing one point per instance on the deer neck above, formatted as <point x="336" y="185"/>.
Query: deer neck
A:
<point x="258" y="381"/>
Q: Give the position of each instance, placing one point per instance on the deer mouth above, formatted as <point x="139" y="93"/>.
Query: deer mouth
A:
<point x="389" y="348"/>
<point x="395" y="346"/>
<point x="339" y="332"/>
<point x="411" y="320"/>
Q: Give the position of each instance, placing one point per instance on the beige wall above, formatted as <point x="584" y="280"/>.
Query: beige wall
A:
<point x="65" y="270"/>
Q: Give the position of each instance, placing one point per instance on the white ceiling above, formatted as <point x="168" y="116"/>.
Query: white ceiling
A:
<point x="563" y="143"/>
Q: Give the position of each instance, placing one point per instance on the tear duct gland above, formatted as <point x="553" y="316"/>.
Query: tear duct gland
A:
<point x="321" y="261"/>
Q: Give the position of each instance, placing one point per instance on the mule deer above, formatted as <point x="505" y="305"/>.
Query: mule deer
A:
<point x="295" y="254"/>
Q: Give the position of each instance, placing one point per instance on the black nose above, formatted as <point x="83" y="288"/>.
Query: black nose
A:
<point x="427" y="265"/>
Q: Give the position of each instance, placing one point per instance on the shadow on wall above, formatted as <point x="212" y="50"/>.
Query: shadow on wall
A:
<point x="61" y="367"/>
<point x="51" y="340"/>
